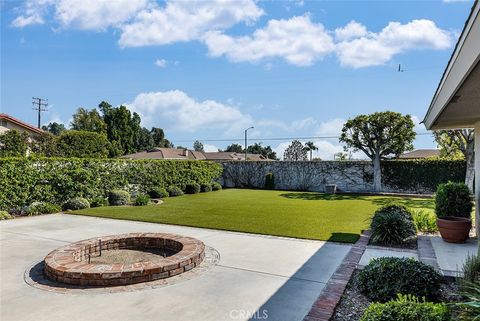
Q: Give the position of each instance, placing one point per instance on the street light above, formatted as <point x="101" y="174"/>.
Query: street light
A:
<point x="246" y="130"/>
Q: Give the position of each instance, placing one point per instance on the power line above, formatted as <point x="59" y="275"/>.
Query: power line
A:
<point x="40" y="105"/>
<point x="269" y="138"/>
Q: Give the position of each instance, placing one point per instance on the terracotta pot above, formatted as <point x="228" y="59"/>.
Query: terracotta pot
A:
<point x="454" y="229"/>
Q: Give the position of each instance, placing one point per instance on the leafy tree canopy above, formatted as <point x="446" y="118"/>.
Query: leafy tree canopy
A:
<point x="266" y="151"/>
<point x="54" y="128"/>
<point x="198" y="146"/>
<point x="83" y="144"/>
<point x="295" y="152"/>
<point x="88" y="120"/>
<point x="13" y="143"/>
<point x="235" y="148"/>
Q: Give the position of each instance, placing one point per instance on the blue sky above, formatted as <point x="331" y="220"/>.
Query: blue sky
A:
<point x="207" y="70"/>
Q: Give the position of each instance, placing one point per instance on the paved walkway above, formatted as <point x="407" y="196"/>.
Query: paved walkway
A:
<point x="260" y="275"/>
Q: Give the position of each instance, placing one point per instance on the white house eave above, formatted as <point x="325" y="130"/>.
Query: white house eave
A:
<point x="463" y="60"/>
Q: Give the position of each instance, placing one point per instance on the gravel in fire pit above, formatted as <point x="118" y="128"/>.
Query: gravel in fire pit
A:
<point x="124" y="256"/>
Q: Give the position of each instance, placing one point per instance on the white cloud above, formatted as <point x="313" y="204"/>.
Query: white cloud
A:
<point x="352" y="30"/>
<point x="177" y="111"/>
<point x="81" y="14"/>
<point x="185" y="21"/>
<point x="299" y="41"/>
<point x="210" y="148"/>
<point x="326" y="149"/>
<point x="332" y="127"/>
<point x="379" y="48"/>
<point x="162" y="63"/>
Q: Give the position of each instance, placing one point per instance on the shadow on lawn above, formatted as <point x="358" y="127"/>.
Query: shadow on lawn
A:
<point x="410" y="202"/>
<point x="343" y="237"/>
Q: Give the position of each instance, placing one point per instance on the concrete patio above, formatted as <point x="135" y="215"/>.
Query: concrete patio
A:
<point x="256" y="275"/>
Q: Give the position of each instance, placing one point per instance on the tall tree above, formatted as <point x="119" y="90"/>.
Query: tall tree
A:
<point x="123" y="128"/>
<point x="235" y="148"/>
<point x="379" y="135"/>
<point x="295" y="152"/>
<point x="198" y="146"/>
<point x="455" y="142"/>
<point x="13" y="143"/>
<point x="88" y="120"/>
<point x="266" y="151"/>
<point x="310" y="147"/>
<point x="54" y="128"/>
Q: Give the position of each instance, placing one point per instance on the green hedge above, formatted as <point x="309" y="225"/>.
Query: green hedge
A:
<point x="422" y="175"/>
<point x="55" y="180"/>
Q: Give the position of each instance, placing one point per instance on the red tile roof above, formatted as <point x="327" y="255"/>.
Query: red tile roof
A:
<point x="21" y="123"/>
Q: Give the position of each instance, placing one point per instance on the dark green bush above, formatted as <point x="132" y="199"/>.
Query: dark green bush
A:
<point x="4" y="215"/>
<point x="175" y="191"/>
<point x="269" y="181"/>
<point x="206" y="188"/>
<point x="82" y="144"/>
<point x="453" y="199"/>
<point x="216" y="186"/>
<point x="38" y="208"/>
<point x="98" y="202"/>
<point x="76" y="203"/>
<point x="118" y="197"/>
<point x="142" y="200"/>
<point x="392" y="225"/>
<point x="383" y="278"/>
<point x="158" y="192"/>
<point x="192" y="188"/>
<point x="55" y="180"/>
<point x="406" y="308"/>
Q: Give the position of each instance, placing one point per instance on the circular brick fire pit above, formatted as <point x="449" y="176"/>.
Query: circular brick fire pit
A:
<point x="74" y="263"/>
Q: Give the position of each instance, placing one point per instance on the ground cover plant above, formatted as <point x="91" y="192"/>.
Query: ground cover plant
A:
<point x="293" y="214"/>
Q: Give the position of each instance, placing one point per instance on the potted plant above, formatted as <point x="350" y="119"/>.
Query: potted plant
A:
<point x="453" y="207"/>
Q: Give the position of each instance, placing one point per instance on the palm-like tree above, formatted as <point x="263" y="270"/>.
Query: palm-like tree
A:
<point x="310" y="147"/>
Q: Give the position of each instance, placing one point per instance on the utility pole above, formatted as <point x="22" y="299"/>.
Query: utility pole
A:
<point x="40" y="105"/>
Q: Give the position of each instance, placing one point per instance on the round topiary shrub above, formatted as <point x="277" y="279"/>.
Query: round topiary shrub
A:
<point x="206" y="188"/>
<point x="76" y="203"/>
<point x="269" y="181"/>
<point x="38" y="208"/>
<point x="4" y="215"/>
<point x="98" y="202"/>
<point x="392" y="225"/>
<point x="142" y="200"/>
<point x="118" y="197"/>
<point x="174" y="191"/>
<point x="192" y="188"/>
<point x="158" y="192"/>
<point x="453" y="199"/>
<point x="216" y="186"/>
<point x="383" y="278"/>
<point x="406" y="308"/>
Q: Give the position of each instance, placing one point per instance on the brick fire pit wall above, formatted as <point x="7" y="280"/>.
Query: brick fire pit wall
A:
<point x="69" y="264"/>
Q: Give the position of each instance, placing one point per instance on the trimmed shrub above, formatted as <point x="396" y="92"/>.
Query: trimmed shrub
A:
<point x="158" y="192"/>
<point x="269" y="181"/>
<point x="82" y="144"/>
<point x="39" y="208"/>
<point x="383" y="278"/>
<point x="206" y="188"/>
<point x="216" y="186"/>
<point x="192" y="188"/>
<point x="55" y="180"/>
<point x="98" y="202"/>
<point x="175" y="191"/>
<point x="453" y="199"/>
<point x="5" y="216"/>
<point x="392" y="225"/>
<point x="142" y="200"/>
<point x="425" y="221"/>
<point x="118" y="197"/>
<point x="406" y="308"/>
<point x="76" y="203"/>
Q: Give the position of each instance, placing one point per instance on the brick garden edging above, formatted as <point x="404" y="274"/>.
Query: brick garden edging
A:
<point x="324" y="307"/>
<point x="69" y="264"/>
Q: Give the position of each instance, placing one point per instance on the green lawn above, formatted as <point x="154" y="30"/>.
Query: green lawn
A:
<point x="316" y="216"/>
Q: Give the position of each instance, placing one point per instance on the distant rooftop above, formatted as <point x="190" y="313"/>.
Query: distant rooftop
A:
<point x="186" y="154"/>
<point x="420" y="153"/>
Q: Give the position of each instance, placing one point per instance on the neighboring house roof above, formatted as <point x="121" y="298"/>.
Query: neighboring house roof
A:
<point x="20" y="123"/>
<point x="185" y="154"/>
<point x="420" y="153"/>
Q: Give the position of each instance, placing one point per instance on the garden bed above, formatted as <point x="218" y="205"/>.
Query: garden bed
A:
<point x="354" y="303"/>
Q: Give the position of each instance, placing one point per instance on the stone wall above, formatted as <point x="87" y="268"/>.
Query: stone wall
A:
<point x="305" y="176"/>
<point x="416" y="177"/>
